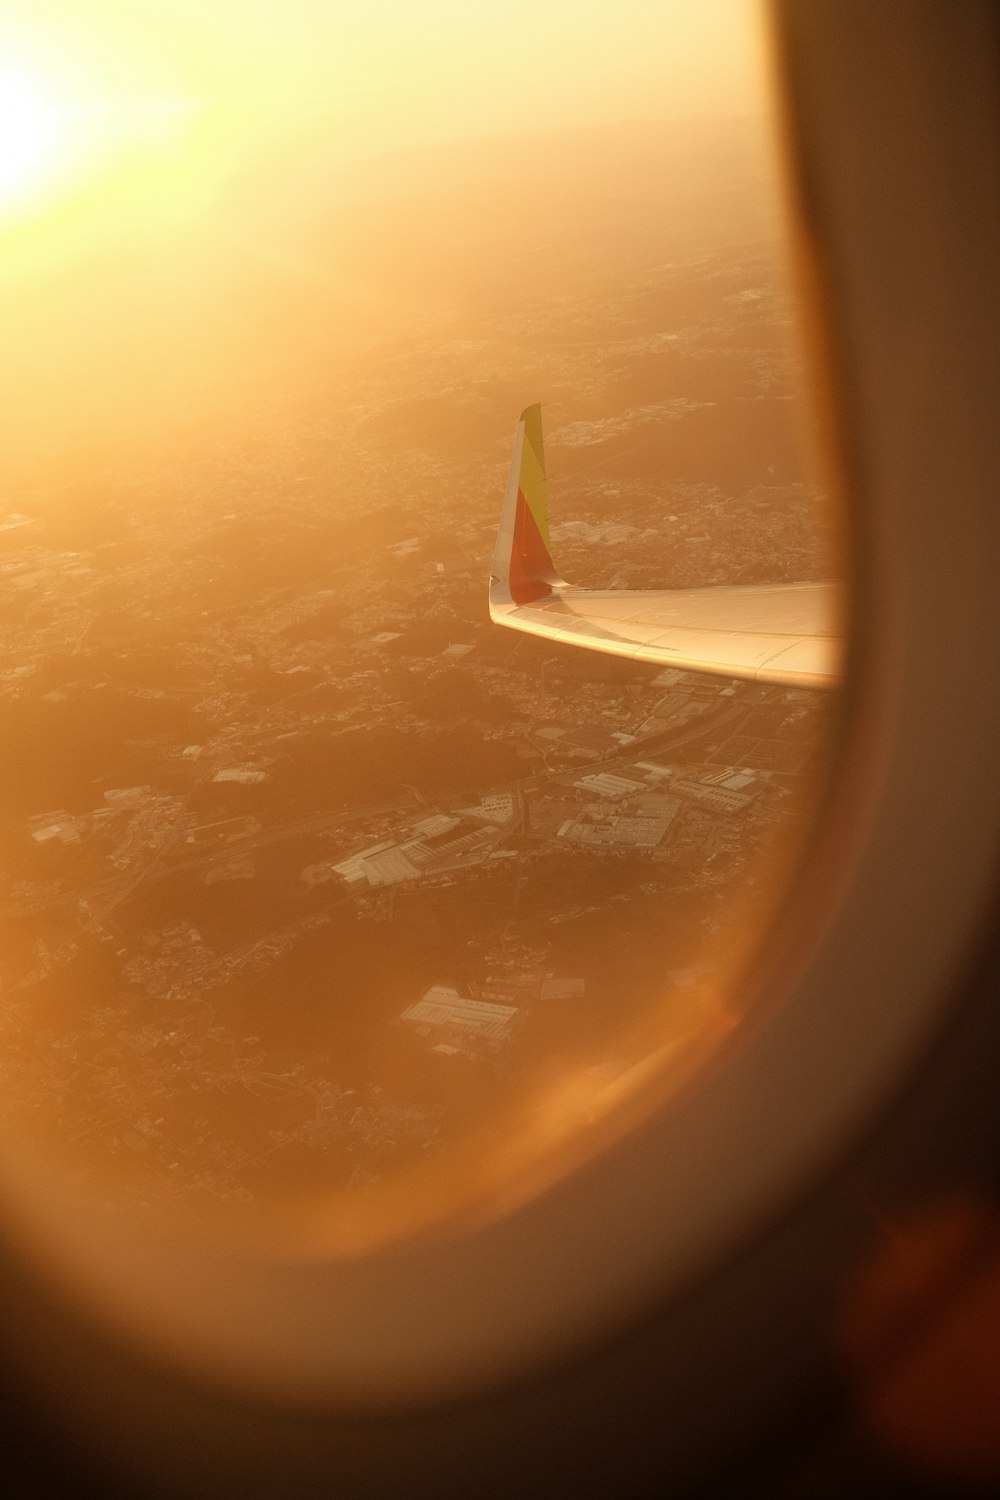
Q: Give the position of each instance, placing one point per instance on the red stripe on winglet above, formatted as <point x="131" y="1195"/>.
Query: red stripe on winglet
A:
<point x="532" y="573"/>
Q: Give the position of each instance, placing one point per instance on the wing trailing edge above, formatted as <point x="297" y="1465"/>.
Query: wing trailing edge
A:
<point x="781" y="633"/>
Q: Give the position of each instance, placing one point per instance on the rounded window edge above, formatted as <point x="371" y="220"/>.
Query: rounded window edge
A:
<point x="436" y="1317"/>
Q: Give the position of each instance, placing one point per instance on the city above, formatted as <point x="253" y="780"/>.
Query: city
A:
<point x="330" y="878"/>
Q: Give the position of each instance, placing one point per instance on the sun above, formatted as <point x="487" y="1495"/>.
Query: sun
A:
<point x="32" y="131"/>
<point x="56" y="140"/>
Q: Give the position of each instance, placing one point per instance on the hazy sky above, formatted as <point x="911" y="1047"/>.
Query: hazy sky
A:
<point x="382" y="73"/>
<point x="158" y="156"/>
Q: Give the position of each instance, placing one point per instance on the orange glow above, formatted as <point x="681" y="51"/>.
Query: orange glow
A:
<point x="274" y="280"/>
<point x="919" y="1336"/>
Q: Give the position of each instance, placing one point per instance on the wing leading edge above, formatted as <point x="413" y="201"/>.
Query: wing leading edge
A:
<point x="783" y="633"/>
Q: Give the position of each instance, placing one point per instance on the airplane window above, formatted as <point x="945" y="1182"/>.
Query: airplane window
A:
<point x="318" y="887"/>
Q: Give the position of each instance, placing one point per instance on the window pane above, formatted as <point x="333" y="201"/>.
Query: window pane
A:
<point x="312" y="879"/>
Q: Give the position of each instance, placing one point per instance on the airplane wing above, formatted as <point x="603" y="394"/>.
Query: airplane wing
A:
<point x="784" y="633"/>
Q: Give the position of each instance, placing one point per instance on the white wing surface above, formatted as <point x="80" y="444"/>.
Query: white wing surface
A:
<point x="784" y="633"/>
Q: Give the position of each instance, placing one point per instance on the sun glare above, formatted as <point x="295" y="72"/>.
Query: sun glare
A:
<point x="53" y="141"/>
<point x="29" y="136"/>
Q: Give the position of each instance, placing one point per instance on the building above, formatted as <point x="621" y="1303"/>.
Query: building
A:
<point x="607" y="785"/>
<point x="381" y="864"/>
<point x="497" y="807"/>
<point x="718" y="798"/>
<point x="446" y="1014"/>
<point x="58" y="826"/>
<point x="591" y="828"/>
<point x="563" y="989"/>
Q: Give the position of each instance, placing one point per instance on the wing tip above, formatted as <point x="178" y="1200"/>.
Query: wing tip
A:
<point x="523" y="570"/>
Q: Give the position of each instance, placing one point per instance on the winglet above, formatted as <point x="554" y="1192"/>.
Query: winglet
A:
<point x="523" y="569"/>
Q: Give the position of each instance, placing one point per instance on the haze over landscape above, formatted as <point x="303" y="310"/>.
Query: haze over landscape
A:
<point x="310" y="877"/>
